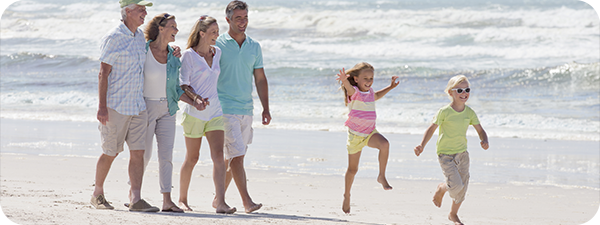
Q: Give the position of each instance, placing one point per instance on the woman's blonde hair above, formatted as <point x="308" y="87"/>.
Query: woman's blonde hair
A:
<point x="354" y="72"/>
<point x="151" y="31"/>
<point x="454" y="81"/>
<point x="201" y="24"/>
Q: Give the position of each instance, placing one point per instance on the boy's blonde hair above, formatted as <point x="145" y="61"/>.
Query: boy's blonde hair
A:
<point x="354" y="72"/>
<point x="455" y="81"/>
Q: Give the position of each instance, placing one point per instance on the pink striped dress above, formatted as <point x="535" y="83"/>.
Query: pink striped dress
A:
<point x="362" y="116"/>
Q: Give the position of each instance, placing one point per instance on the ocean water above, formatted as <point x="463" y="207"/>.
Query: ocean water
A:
<point x="534" y="66"/>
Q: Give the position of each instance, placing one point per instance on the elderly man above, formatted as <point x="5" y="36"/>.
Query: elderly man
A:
<point x="241" y="61"/>
<point x="122" y="110"/>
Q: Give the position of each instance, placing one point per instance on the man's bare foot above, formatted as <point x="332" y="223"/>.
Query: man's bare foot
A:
<point x="253" y="208"/>
<point x="384" y="183"/>
<point x="454" y="218"/>
<point x="226" y="209"/>
<point x="346" y="204"/>
<point x="184" y="206"/>
<point x="439" y="194"/>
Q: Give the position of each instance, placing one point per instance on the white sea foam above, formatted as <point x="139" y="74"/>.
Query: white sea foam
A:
<point x="521" y="36"/>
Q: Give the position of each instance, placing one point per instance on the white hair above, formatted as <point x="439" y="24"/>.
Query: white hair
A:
<point x="124" y="13"/>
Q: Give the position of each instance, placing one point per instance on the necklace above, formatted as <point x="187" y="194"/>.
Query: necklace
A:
<point x="203" y="55"/>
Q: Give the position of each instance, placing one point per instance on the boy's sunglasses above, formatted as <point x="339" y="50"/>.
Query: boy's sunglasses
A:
<point x="460" y="90"/>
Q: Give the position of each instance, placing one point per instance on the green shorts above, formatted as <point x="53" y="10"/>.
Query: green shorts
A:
<point x="356" y="143"/>
<point x="196" y="128"/>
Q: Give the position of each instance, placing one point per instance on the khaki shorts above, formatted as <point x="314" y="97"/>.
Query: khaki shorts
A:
<point x="238" y="135"/>
<point x="197" y="128"/>
<point x="123" y="128"/>
<point x="356" y="143"/>
<point x="456" y="170"/>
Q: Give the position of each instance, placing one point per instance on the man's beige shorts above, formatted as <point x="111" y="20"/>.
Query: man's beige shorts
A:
<point x="238" y="135"/>
<point x="123" y="128"/>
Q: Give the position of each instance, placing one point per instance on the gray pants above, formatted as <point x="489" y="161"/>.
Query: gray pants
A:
<point x="456" y="170"/>
<point x="161" y="124"/>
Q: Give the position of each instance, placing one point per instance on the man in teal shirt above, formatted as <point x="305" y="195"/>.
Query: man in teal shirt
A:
<point x="241" y="60"/>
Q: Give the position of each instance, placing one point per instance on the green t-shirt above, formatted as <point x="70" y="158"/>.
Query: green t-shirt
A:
<point x="453" y="127"/>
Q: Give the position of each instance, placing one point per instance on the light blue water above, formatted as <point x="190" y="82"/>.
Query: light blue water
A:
<point x="534" y="68"/>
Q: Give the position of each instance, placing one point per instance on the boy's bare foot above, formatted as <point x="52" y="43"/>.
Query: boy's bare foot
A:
<point x="184" y="206"/>
<point x="439" y="194"/>
<point x="253" y="208"/>
<point x="346" y="204"/>
<point x="384" y="183"/>
<point x="454" y="218"/>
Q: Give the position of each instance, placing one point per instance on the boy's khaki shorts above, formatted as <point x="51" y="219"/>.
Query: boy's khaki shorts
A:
<point x="456" y="170"/>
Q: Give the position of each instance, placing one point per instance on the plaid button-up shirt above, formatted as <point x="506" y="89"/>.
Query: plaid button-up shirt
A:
<point x="126" y="53"/>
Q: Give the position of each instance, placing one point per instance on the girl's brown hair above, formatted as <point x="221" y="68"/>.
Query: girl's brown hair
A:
<point x="201" y="24"/>
<point x="354" y="72"/>
<point x="161" y="20"/>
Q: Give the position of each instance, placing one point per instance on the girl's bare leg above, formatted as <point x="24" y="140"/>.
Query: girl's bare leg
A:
<point x="379" y="142"/>
<point x="191" y="158"/>
<point x="353" y="161"/>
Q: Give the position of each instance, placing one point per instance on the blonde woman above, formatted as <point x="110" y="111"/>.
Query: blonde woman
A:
<point x="200" y="71"/>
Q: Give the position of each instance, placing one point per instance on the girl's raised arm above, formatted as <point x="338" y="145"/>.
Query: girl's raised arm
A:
<point x="379" y="94"/>
<point x="343" y="77"/>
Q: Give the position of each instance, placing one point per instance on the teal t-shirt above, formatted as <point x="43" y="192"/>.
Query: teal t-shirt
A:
<point x="453" y="127"/>
<point x="237" y="73"/>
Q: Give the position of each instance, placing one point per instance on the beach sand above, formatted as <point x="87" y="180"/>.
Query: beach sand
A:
<point x="51" y="189"/>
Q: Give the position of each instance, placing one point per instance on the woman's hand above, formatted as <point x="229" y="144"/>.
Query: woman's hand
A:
<point x="200" y="103"/>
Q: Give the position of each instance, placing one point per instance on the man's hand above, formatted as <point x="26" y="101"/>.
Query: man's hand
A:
<point x="102" y="115"/>
<point x="176" y="51"/>
<point x="266" y="117"/>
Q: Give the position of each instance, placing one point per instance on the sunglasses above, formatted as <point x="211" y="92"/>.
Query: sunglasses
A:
<point x="203" y="17"/>
<point x="460" y="90"/>
<point x="166" y="16"/>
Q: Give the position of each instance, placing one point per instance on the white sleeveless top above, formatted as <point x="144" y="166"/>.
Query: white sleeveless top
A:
<point x="155" y="77"/>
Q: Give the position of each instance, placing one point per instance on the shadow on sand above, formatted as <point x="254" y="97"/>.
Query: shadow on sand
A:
<point x="256" y="216"/>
